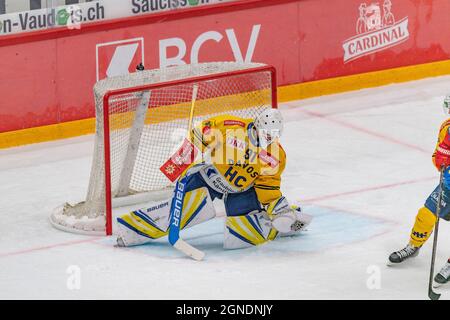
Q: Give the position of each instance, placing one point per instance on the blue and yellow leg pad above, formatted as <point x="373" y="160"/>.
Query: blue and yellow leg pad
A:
<point x="197" y="208"/>
<point x="142" y="224"/>
<point x="246" y="231"/>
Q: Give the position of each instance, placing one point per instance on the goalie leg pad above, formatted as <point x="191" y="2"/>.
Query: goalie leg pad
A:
<point x="197" y="208"/>
<point x="247" y="231"/>
<point x="142" y="226"/>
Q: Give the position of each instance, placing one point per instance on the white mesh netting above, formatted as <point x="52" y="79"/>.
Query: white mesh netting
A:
<point x="147" y="126"/>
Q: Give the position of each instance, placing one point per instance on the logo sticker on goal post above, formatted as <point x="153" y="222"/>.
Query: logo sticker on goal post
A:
<point x="179" y="162"/>
<point x="119" y="57"/>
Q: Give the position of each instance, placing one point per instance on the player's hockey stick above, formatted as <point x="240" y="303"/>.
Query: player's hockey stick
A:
<point x="431" y="294"/>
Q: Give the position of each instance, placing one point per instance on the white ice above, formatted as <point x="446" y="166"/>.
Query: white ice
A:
<point x="360" y="162"/>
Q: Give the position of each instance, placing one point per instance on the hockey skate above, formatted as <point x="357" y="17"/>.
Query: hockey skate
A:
<point x="399" y="256"/>
<point x="443" y="276"/>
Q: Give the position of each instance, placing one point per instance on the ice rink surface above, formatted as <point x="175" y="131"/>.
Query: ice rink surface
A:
<point x="359" y="162"/>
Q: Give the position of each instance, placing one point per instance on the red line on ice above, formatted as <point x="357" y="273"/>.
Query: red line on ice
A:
<point x="63" y="244"/>
<point x="386" y="186"/>
<point x="310" y="200"/>
<point x="366" y="131"/>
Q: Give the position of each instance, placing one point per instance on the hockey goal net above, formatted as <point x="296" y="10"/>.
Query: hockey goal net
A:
<point x="143" y="117"/>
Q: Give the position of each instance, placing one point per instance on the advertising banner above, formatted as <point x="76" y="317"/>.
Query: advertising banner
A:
<point x="50" y="80"/>
<point x="74" y="16"/>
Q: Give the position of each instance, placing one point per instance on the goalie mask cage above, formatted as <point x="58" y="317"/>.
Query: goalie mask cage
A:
<point x="141" y="120"/>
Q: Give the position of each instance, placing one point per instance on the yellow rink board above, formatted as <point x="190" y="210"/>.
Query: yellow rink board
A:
<point x="285" y="94"/>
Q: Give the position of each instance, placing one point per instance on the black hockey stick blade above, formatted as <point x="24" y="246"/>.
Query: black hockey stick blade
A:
<point x="433" y="295"/>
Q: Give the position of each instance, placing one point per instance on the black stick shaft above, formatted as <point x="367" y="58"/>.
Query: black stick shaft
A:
<point x="431" y="294"/>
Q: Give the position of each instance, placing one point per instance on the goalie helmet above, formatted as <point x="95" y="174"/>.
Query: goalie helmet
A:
<point x="269" y="126"/>
<point x="446" y="105"/>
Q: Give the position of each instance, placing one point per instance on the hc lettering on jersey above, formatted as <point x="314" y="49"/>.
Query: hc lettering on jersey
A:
<point x="231" y="175"/>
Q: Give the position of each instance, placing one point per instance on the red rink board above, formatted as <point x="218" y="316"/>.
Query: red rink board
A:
<point x="47" y="77"/>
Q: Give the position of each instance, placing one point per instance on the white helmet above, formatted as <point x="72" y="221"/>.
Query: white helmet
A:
<point x="269" y="126"/>
<point x="446" y="105"/>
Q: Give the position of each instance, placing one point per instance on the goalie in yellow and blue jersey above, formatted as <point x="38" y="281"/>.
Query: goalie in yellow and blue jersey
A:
<point x="241" y="164"/>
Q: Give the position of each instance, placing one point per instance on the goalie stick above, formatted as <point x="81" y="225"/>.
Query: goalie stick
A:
<point x="177" y="204"/>
<point x="175" y="224"/>
<point x="431" y="294"/>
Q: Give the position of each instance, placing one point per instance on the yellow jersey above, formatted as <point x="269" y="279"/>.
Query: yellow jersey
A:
<point x="443" y="131"/>
<point x="230" y="144"/>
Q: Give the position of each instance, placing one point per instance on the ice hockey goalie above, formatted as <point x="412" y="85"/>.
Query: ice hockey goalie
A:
<point x="241" y="162"/>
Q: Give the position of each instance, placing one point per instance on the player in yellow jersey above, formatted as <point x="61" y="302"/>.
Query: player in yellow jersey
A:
<point x="426" y="217"/>
<point x="241" y="164"/>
